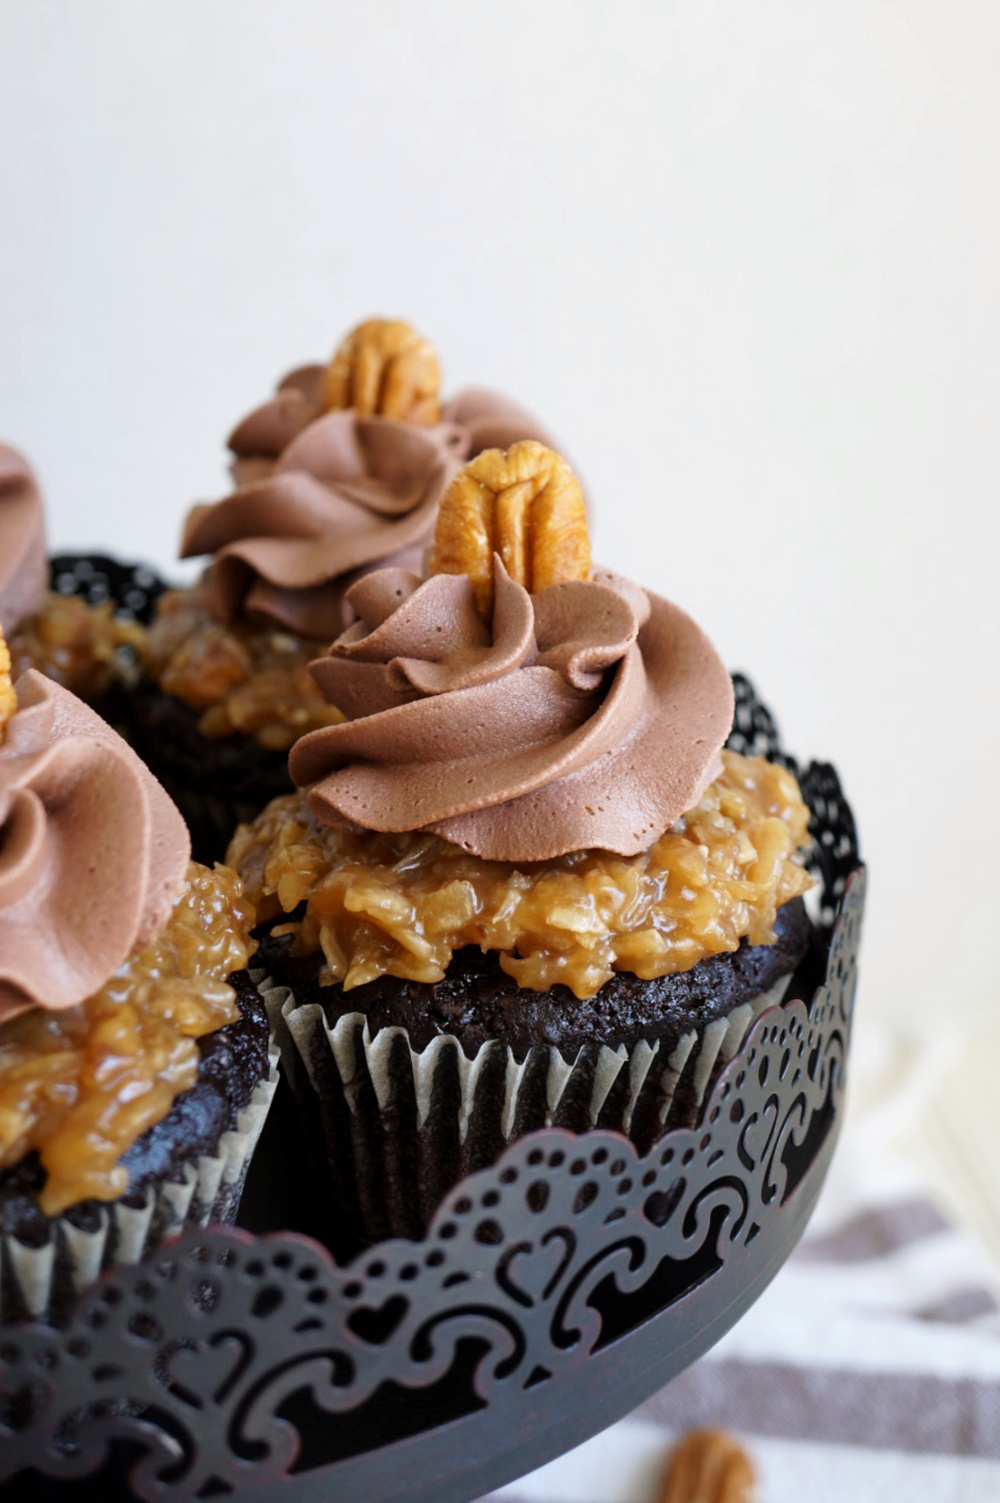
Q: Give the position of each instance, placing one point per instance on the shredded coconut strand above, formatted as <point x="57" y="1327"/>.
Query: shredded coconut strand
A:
<point x="401" y="905"/>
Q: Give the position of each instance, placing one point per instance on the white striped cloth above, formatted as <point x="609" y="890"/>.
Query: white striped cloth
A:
<point x="870" y="1370"/>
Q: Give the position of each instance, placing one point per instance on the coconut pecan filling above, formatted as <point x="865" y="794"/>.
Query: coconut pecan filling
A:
<point x="401" y="905"/>
<point x="78" y="645"/>
<point x="82" y="1084"/>
<point x="246" y="680"/>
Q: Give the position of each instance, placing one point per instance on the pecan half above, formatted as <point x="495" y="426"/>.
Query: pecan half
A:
<point x="708" y="1466"/>
<point x="384" y="368"/>
<point x="526" y="505"/>
<point x="8" y="698"/>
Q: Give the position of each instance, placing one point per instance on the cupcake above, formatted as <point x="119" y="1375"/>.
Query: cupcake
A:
<point x="76" y="618"/>
<point x="522" y="883"/>
<point x="340" y="472"/>
<point x="134" y="1047"/>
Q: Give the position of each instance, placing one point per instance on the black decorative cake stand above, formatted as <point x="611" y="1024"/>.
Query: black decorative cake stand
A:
<point x="553" y="1292"/>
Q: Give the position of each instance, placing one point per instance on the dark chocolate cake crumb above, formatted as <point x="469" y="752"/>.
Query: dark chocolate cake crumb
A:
<point x="217" y="782"/>
<point x="165" y="733"/>
<point x="477" y="1000"/>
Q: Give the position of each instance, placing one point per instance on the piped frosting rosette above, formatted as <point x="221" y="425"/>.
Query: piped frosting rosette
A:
<point x="341" y="471"/>
<point x="92" y="851"/>
<point x="588" y="714"/>
<point x="24" y="570"/>
<point x="348" y="492"/>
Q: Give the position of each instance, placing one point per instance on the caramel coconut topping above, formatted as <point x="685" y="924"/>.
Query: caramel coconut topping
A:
<point x="245" y="678"/>
<point x="76" y="644"/>
<point x="92" y="851"/>
<point x="24" y="570"/>
<point x="403" y="904"/>
<point x="81" y="1085"/>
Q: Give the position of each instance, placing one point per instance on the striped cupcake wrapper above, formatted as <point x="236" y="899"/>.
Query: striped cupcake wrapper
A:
<point x="39" y="1282"/>
<point x="401" y="1126"/>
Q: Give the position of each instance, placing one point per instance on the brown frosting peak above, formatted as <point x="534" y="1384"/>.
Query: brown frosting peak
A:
<point x="324" y="498"/>
<point x="92" y="851"/>
<point x="24" y="570"/>
<point x="486" y="419"/>
<point x="346" y="494"/>
<point x="590" y="714"/>
<point x="270" y="428"/>
<point x="489" y="420"/>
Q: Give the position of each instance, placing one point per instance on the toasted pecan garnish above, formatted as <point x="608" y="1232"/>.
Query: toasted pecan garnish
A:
<point x="385" y="368"/>
<point x="708" y="1466"/>
<point x="526" y="505"/>
<point x="8" y="696"/>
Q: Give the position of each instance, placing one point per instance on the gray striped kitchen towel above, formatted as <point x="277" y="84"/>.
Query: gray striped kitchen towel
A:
<point x="870" y="1369"/>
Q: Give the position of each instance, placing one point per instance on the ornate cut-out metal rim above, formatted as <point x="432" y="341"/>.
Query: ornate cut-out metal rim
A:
<point x="232" y="1360"/>
<point x="132" y="589"/>
<point x="553" y="1292"/>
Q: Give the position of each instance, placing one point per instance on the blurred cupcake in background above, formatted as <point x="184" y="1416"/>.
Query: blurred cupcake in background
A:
<point x="77" y="618"/>
<point x="135" y="1068"/>
<point x="339" y="473"/>
<point x="522" y="883"/>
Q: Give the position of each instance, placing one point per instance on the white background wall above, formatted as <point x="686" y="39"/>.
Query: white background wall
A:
<point x="743" y="258"/>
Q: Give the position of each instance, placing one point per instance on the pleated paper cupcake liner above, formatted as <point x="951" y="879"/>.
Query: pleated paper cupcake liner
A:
<point x="39" y="1282"/>
<point x="401" y="1126"/>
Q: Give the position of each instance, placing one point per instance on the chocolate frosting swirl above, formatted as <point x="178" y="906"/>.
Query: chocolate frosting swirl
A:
<point x="590" y="714"/>
<point x="92" y="851"/>
<point x="346" y="494"/>
<point x="326" y="499"/>
<point x="24" y="569"/>
<point x="486" y="419"/>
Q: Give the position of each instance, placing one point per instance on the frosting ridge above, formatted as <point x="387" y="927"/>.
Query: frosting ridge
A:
<point x="590" y="714"/>
<point x="92" y="851"/>
<point x="347" y="493"/>
<point x="323" y="498"/>
<point x="484" y="419"/>
<point x="24" y="569"/>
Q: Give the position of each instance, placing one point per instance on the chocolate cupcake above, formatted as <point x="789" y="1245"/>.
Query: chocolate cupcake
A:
<point x="522" y="882"/>
<point x="78" y="619"/>
<point x="340" y="472"/>
<point x="135" y="1070"/>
